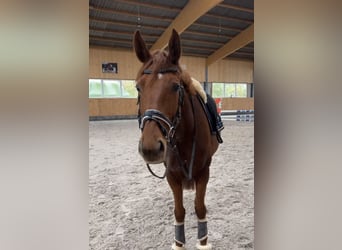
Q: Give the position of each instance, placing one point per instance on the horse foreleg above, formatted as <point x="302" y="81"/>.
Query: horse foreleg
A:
<point x="202" y="231"/>
<point x="179" y="213"/>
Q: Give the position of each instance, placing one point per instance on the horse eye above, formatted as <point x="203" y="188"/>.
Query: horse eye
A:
<point x="176" y="87"/>
<point x="138" y="88"/>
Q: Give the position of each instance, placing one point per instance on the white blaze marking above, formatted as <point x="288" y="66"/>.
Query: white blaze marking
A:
<point x="160" y="76"/>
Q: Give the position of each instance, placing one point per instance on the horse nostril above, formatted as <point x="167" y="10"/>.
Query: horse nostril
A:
<point x="161" y="146"/>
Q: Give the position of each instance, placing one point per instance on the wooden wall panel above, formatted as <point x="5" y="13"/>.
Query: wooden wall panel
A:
<point x="127" y="106"/>
<point x="231" y="70"/>
<point x="195" y="66"/>
<point x="128" y="64"/>
<point x="228" y="70"/>
<point x="237" y="104"/>
<point x="112" y="107"/>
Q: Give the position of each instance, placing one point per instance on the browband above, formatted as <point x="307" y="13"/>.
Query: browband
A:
<point x="162" y="71"/>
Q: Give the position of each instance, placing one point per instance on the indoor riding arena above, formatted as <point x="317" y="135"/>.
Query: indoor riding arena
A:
<point x="129" y="208"/>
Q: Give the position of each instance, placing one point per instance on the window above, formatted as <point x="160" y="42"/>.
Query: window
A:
<point x="111" y="88"/>
<point x="95" y="88"/>
<point x="102" y="88"/>
<point x="128" y="89"/>
<point x="229" y="90"/>
<point x="241" y="90"/>
<point x="218" y="90"/>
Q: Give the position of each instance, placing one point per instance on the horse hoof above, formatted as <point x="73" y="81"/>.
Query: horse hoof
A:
<point x="174" y="247"/>
<point x="203" y="247"/>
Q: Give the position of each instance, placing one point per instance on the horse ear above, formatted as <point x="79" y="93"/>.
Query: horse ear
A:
<point x="174" y="48"/>
<point x="140" y="48"/>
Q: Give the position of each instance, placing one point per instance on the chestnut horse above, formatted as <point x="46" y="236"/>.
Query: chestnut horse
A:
<point x="174" y="130"/>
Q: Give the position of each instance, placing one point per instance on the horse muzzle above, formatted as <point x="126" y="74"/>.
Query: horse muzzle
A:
<point x="153" y="152"/>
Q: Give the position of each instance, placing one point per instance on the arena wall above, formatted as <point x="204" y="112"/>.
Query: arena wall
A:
<point x="128" y="65"/>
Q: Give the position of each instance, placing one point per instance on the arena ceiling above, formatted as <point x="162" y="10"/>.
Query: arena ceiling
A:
<point x="213" y="29"/>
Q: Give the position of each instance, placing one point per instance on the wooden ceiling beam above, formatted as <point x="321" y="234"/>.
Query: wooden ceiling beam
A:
<point x="242" y="39"/>
<point x="190" y="13"/>
<point x="235" y="7"/>
<point x="244" y="53"/>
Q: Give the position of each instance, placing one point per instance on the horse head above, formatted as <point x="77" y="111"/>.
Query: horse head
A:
<point x="160" y="97"/>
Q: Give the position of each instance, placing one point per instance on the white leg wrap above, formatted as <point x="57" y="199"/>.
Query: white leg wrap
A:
<point x="178" y="223"/>
<point x="174" y="247"/>
<point x="202" y="220"/>
<point x="205" y="247"/>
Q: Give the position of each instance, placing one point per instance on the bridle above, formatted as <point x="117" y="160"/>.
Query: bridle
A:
<point x="159" y="117"/>
<point x="169" y="130"/>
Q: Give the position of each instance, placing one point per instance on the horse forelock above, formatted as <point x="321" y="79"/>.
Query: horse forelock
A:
<point x="159" y="60"/>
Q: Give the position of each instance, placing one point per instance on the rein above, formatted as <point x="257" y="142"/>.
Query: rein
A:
<point x="188" y="174"/>
<point x="169" y="133"/>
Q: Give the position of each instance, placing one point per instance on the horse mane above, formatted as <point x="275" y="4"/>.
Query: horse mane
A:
<point x="159" y="61"/>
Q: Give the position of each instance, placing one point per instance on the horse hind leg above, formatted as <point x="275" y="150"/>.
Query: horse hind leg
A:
<point x="200" y="208"/>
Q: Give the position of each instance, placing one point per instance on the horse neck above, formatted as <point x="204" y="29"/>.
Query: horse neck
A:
<point x="194" y="122"/>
